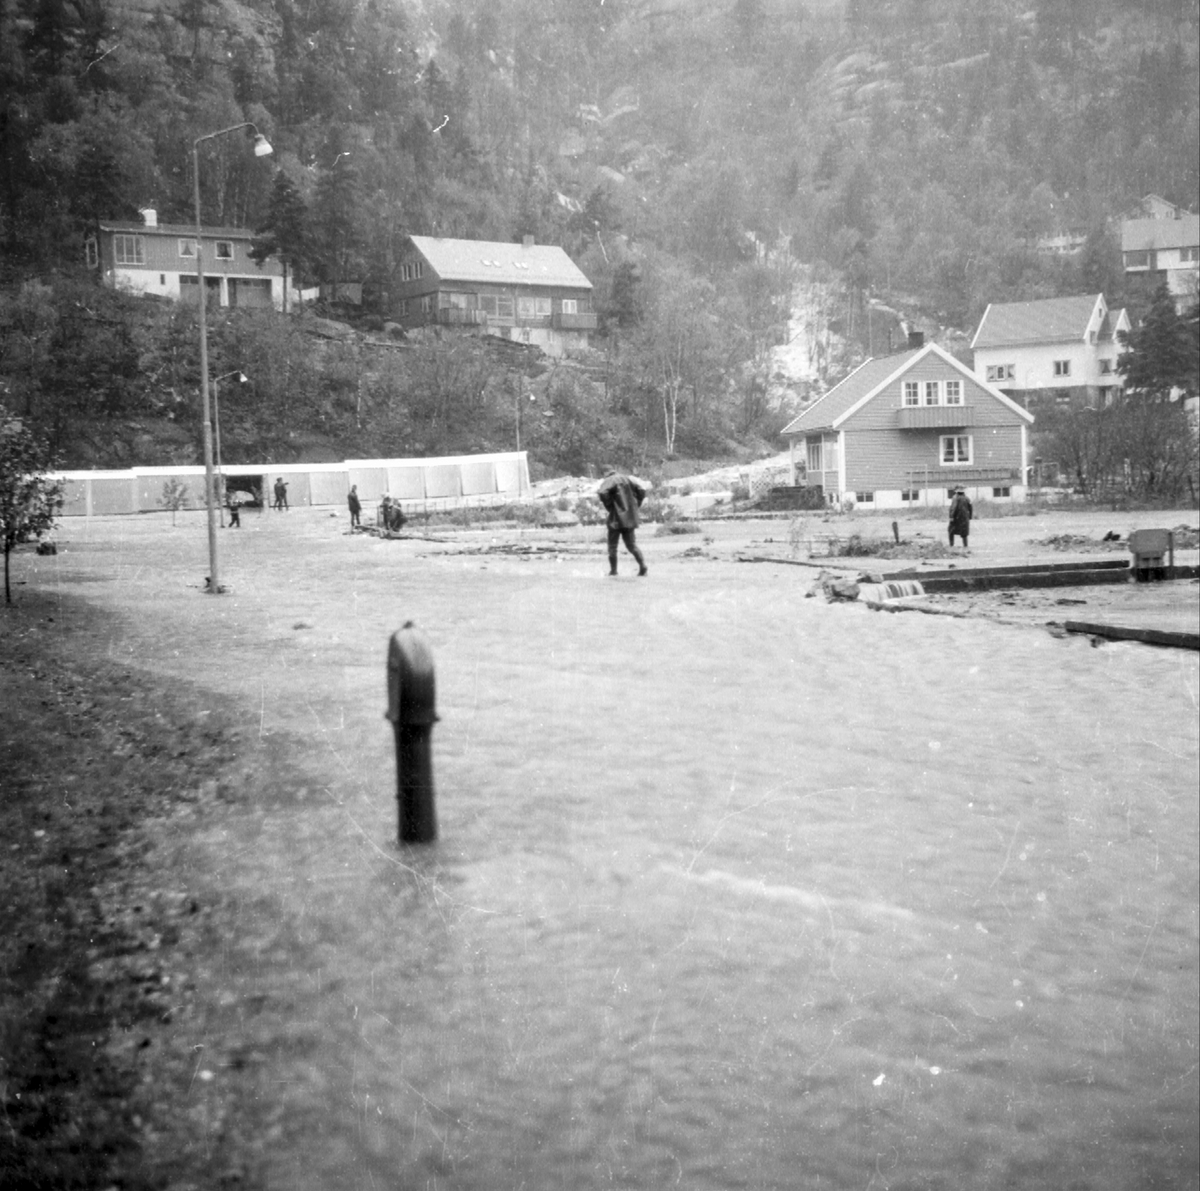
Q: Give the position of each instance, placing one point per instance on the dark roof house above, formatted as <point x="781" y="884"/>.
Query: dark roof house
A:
<point x="527" y="292"/>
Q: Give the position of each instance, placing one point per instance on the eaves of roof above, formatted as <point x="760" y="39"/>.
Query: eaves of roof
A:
<point x="1144" y="235"/>
<point x="176" y="229"/>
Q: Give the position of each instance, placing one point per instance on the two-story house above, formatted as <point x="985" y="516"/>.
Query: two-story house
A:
<point x="1056" y="350"/>
<point x="1165" y="249"/>
<point x="908" y="429"/>
<point x="527" y="292"/>
<point x="160" y="258"/>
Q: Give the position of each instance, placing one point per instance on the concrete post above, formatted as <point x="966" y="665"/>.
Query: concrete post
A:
<point x="411" y="708"/>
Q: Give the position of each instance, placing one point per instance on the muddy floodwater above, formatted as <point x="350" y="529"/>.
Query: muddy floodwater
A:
<point x="733" y="889"/>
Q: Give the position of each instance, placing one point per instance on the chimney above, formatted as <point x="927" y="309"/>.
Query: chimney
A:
<point x="527" y="241"/>
<point x="916" y="339"/>
<point x="149" y="216"/>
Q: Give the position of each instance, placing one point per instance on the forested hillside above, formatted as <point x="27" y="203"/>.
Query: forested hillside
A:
<point x="693" y="157"/>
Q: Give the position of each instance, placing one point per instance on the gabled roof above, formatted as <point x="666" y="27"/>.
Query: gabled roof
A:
<point x="187" y="230"/>
<point x="507" y="264"/>
<point x="1143" y="235"/>
<point x="867" y="378"/>
<point x="871" y="378"/>
<point x="1050" y="320"/>
<point x="1114" y="321"/>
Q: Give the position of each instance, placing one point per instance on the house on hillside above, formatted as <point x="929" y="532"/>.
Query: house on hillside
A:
<point x="527" y="292"/>
<point x="1164" y="249"/>
<point x="160" y="258"/>
<point x="1060" y="351"/>
<point x="907" y="429"/>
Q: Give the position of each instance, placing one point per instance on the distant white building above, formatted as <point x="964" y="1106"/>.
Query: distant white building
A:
<point x="1162" y="247"/>
<point x="1062" y="350"/>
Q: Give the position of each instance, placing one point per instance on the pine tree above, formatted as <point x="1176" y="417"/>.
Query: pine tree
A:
<point x="284" y="232"/>
<point x="1163" y="353"/>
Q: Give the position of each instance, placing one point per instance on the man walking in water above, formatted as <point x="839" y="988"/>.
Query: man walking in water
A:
<point x="621" y="496"/>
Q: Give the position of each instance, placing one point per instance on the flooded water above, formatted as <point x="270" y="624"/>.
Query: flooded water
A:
<point x="734" y="889"/>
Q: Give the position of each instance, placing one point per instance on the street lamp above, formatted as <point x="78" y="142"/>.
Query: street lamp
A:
<point x="242" y="379"/>
<point x="518" y="408"/>
<point x="262" y="148"/>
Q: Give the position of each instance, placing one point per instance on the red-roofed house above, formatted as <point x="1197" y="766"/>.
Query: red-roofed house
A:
<point x="907" y="429"/>
<point x="1062" y="350"/>
<point x="530" y="293"/>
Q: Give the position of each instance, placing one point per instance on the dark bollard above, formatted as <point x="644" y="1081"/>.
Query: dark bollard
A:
<point x="896" y="532"/>
<point x="411" y="710"/>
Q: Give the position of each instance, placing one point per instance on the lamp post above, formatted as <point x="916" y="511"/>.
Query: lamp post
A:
<point x="261" y="149"/>
<point x="518" y="409"/>
<point x="242" y="379"/>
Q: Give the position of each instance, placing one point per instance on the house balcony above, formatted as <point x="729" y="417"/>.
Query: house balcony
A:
<point x="452" y="316"/>
<point x="573" y="322"/>
<point x="933" y="417"/>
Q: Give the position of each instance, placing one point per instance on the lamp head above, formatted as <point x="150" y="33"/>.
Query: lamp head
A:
<point x="262" y="146"/>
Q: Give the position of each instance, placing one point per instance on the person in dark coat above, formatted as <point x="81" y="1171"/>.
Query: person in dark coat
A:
<point x="622" y="497"/>
<point x="355" y="507"/>
<point x="960" y="517"/>
<point x="281" y="502"/>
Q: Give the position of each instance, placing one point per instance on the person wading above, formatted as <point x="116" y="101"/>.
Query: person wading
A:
<point x="621" y="497"/>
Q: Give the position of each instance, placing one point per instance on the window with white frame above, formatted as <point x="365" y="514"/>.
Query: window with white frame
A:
<point x="912" y="393"/>
<point x="129" y="250"/>
<point x="224" y="250"/>
<point x="403" y="307"/>
<point x="504" y="307"/>
<point x="956" y="448"/>
<point x="865" y="498"/>
<point x="1000" y="493"/>
<point x="526" y="308"/>
<point x="814" y="455"/>
<point x="427" y="304"/>
<point x="954" y="394"/>
<point x="910" y="495"/>
<point x="1189" y="254"/>
<point x="542" y="307"/>
<point x="570" y="305"/>
<point x="412" y="271"/>
<point x="187" y="248"/>
<point x="1001" y="372"/>
<point x="1062" y="367"/>
<point x="92" y="249"/>
<point x="1106" y="367"/>
<point x="932" y="388"/>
